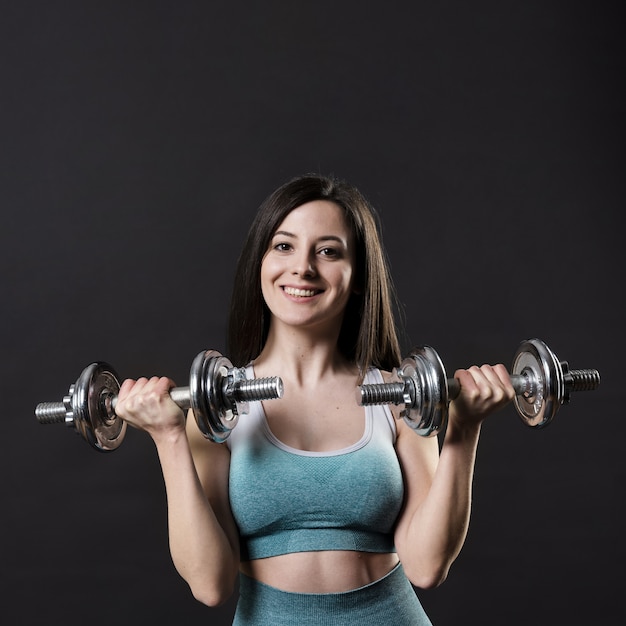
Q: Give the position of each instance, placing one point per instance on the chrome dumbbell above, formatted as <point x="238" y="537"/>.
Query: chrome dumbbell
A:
<point x="542" y="384"/>
<point x="217" y="394"/>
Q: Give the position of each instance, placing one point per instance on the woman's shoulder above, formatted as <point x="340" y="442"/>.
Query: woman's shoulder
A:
<point x="375" y="374"/>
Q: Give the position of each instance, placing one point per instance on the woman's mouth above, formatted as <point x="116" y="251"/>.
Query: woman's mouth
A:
<point x="300" y="293"/>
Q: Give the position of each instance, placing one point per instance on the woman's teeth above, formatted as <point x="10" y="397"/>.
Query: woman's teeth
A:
<point x="299" y="293"/>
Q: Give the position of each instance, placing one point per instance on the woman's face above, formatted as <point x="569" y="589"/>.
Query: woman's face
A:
<point x="308" y="270"/>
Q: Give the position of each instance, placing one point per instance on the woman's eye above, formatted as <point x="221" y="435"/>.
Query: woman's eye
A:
<point x="329" y="252"/>
<point x="282" y="247"/>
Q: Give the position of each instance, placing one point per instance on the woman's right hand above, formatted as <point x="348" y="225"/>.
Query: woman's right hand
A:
<point x="146" y="404"/>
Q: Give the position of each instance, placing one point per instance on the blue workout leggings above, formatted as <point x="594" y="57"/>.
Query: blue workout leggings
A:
<point x="390" y="600"/>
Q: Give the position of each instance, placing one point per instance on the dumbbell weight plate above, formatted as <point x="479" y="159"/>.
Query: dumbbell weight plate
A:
<point x="89" y="403"/>
<point x="535" y="360"/>
<point x="426" y="413"/>
<point x="214" y="418"/>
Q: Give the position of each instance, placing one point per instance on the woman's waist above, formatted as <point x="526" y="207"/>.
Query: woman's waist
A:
<point x="325" y="571"/>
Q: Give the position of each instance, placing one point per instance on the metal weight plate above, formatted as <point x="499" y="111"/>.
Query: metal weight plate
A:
<point x="198" y="395"/>
<point x="213" y="414"/>
<point x="426" y="413"/>
<point x="537" y="362"/>
<point x="90" y="407"/>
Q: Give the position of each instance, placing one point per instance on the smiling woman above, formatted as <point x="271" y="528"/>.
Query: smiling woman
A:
<point x="317" y="504"/>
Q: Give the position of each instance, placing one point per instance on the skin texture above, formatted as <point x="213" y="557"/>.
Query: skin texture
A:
<point x="307" y="276"/>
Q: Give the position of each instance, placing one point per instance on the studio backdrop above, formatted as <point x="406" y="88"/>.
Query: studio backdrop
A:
<point x="138" y="140"/>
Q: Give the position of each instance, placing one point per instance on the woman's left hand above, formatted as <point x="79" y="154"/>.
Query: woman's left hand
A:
<point x="484" y="390"/>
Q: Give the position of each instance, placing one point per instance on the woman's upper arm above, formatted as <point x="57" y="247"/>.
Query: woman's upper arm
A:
<point x="212" y="462"/>
<point x="418" y="457"/>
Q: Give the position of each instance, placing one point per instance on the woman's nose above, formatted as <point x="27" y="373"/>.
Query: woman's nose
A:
<point x="304" y="264"/>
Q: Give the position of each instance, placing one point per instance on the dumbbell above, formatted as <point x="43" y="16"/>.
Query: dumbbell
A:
<point x="542" y="384"/>
<point x="217" y="394"/>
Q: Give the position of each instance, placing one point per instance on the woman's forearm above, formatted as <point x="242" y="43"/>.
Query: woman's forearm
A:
<point x="200" y="547"/>
<point x="431" y="534"/>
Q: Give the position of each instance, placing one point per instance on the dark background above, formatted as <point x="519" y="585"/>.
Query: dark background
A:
<point x="138" y="139"/>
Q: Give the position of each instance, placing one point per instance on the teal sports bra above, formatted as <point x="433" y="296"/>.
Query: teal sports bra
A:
<point x="287" y="500"/>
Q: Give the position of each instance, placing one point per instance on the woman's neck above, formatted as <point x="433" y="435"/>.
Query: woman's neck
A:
<point x="304" y="355"/>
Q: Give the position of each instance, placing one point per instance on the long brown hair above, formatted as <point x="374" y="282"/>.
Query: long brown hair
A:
<point x="368" y="334"/>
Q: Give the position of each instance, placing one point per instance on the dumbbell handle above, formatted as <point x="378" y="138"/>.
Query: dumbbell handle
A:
<point x="574" y="380"/>
<point x="244" y="391"/>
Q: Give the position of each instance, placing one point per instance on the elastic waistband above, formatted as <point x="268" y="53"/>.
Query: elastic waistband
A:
<point x="390" y="598"/>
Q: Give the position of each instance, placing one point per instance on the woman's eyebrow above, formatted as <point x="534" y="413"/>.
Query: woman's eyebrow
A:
<point x="285" y="233"/>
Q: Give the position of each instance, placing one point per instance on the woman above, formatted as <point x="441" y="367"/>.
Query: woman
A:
<point x="326" y="511"/>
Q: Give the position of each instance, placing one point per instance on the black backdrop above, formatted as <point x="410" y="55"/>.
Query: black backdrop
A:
<point x="137" y="140"/>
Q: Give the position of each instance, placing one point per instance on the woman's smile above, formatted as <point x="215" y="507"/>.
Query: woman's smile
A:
<point x="299" y="292"/>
